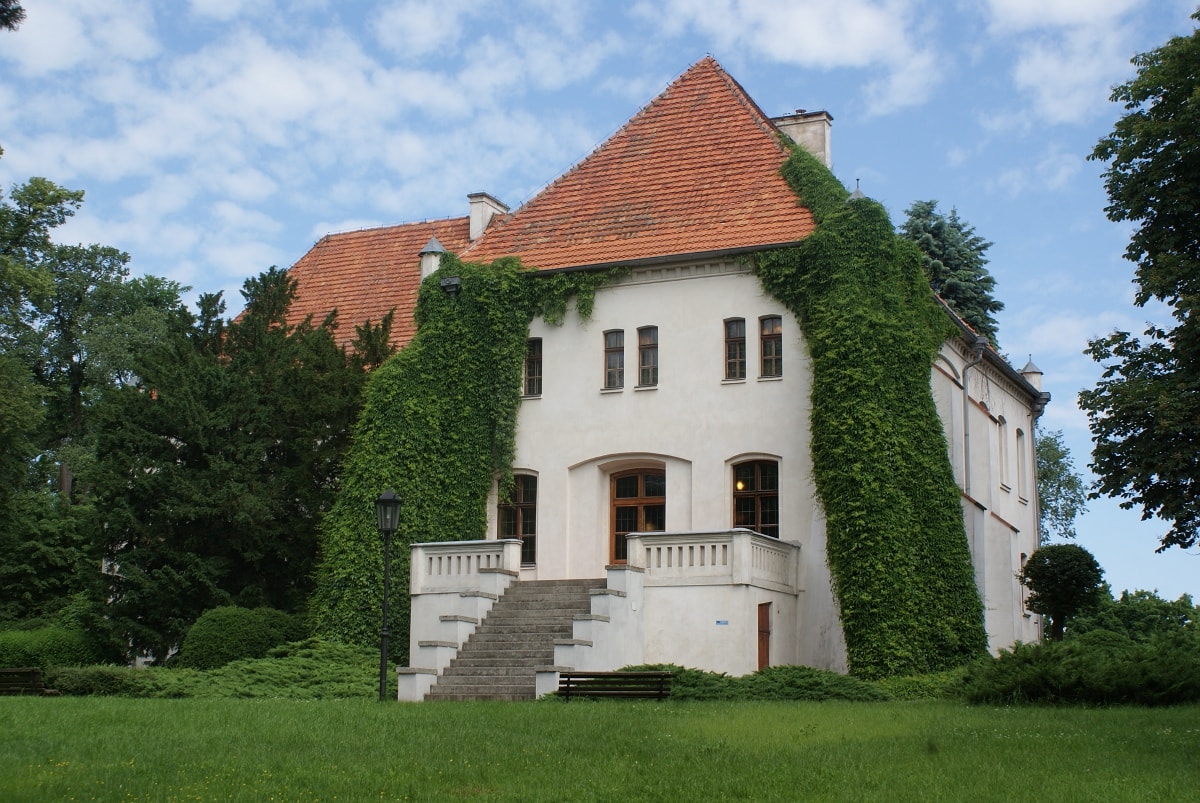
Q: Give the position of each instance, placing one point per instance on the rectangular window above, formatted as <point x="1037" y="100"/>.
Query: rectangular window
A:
<point x="518" y="518"/>
<point x="647" y="356"/>
<point x="614" y="359"/>
<point x="533" y="367"/>
<point x="735" y="348"/>
<point x="772" y="345"/>
<point x="1022" y="469"/>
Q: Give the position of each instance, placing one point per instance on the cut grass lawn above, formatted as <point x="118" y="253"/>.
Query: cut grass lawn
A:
<point x="126" y="749"/>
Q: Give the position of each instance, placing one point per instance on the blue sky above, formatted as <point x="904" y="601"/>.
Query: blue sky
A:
<point x="216" y="138"/>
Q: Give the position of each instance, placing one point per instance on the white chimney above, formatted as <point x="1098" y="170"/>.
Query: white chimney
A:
<point x="483" y="208"/>
<point x="431" y="257"/>
<point x="809" y="130"/>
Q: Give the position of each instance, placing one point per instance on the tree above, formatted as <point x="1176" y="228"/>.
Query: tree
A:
<point x="1140" y="615"/>
<point x="1062" y="495"/>
<point x="11" y="14"/>
<point x="1064" y="580"/>
<point x="1144" y="412"/>
<point x="216" y="459"/>
<point x="953" y="259"/>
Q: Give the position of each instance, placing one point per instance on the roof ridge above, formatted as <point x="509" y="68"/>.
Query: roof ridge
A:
<point x="426" y="222"/>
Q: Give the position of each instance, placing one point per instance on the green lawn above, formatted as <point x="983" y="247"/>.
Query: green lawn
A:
<point x="124" y="749"/>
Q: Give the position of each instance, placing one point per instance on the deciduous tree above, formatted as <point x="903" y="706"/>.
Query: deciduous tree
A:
<point x="1144" y="412"/>
<point x="1062" y="495"/>
<point x="1064" y="580"/>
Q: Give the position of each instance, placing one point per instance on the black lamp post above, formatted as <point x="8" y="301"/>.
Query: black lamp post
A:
<point x="387" y="516"/>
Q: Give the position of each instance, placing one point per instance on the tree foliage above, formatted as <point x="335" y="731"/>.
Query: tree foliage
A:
<point x="1062" y="495"/>
<point x="11" y="14"/>
<point x="953" y="258"/>
<point x="216" y="460"/>
<point x="1144" y="413"/>
<point x="1139" y="615"/>
<point x="1063" y="580"/>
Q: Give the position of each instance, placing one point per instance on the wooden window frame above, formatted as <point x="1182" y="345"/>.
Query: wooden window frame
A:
<point x="614" y="359"/>
<point x="522" y="507"/>
<point x="770" y="346"/>
<point x="617" y="546"/>
<point x="647" y="356"/>
<point x="531" y="382"/>
<point x="757" y="493"/>
<point x="735" y="348"/>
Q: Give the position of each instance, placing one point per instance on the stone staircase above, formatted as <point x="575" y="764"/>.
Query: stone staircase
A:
<point x="499" y="660"/>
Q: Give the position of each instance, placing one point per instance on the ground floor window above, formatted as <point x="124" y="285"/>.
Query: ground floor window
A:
<point x="518" y="518"/>
<point x="756" y="496"/>
<point x="639" y="504"/>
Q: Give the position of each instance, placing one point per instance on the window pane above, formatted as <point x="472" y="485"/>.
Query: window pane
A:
<point x="743" y="477"/>
<point x="627" y="487"/>
<point x="655" y="485"/>
<point x="529" y="551"/>
<point x="626" y="520"/>
<point x="768" y="474"/>
<point x="508" y="522"/>
<point x="526" y="491"/>
<point x="745" y="512"/>
<point x="528" y="522"/>
<point x="654" y="518"/>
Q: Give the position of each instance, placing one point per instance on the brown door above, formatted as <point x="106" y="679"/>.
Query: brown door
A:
<point x="764" y="635"/>
<point x="639" y="504"/>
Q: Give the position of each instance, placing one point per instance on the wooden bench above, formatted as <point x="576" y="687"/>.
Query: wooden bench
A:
<point x="655" y="685"/>
<point x="25" y="680"/>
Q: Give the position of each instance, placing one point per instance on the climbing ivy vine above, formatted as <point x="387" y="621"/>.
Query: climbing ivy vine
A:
<point x="896" y="546"/>
<point x="438" y="426"/>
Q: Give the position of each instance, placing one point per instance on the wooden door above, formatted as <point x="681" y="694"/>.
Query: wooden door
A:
<point x="764" y="635"/>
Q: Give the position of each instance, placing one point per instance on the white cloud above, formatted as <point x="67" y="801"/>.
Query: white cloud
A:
<point x="1022" y="15"/>
<point x="62" y="34"/>
<point x="226" y="10"/>
<point x="879" y="35"/>
<point x="417" y="28"/>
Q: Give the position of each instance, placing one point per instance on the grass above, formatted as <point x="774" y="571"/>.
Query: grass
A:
<point x="197" y="749"/>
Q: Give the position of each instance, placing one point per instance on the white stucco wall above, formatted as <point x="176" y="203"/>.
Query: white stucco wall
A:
<point x="695" y="425"/>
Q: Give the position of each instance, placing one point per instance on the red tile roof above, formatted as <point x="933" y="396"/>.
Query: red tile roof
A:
<point x="696" y="170"/>
<point x="364" y="274"/>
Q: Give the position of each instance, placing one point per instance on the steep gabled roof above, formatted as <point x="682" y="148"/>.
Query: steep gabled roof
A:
<point x="364" y="274"/>
<point x="696" y="170"/>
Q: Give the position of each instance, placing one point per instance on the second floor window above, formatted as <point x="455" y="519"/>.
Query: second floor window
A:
<point x="647" y="356"/>
<point x="532" y="385"/>
<point x="756" y="496"/>
<point x="614" y="359"/>
<point x="735" y="348"/>
<point x="772" y="345"/>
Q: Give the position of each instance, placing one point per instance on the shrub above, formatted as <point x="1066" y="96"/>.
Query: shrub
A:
<point x="106" y="681"/>
<point x="934" y="686"/>
<point x="805" y="683"/>
<point x="229" y="633"/>
<point x="44" y="647"/>
<point x="1097" y="668"/>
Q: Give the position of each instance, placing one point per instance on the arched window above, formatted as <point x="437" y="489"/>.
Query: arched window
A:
<point x="756" y="496"/>
<point x="518" y="517"/>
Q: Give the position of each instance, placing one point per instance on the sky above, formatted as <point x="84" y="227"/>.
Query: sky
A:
<point x="216" y="138"/>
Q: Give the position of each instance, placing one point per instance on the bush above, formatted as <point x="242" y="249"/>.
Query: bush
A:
<point x="945" y="685"/>
<point x="229" y="633"/>
<point x="805" y="683"/>
<point x="106" y="681"/>
<point x="1096" y="668"/>
<point x="45" y="647"/>
<point x="770" y="683"/>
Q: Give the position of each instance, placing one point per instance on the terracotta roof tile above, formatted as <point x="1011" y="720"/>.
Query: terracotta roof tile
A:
<point x="364" y="274"/>
<point x="696" y="170"/>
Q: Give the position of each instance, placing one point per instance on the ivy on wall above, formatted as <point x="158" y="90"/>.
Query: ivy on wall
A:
<point x="438" y="426"/>
<point x="896" y="546"/>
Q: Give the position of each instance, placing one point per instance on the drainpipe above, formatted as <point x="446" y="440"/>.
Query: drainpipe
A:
<point x="977" y="348"/>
